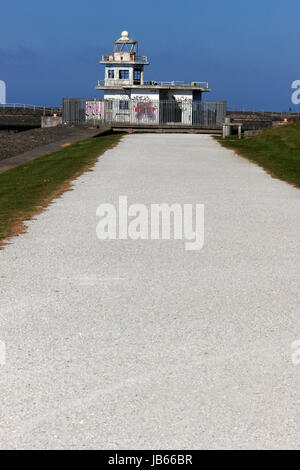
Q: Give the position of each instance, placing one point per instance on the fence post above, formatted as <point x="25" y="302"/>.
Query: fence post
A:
<point x="227" y="127"/>
<point x="240" y="131"/>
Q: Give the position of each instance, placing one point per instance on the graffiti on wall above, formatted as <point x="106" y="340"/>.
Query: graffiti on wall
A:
<point x="94" y="109"/>
<point x="143" y="98"/>
<point x="145" y="109"/>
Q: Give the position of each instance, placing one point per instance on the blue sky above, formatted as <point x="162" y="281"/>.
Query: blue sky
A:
<point x="248" y="51"/>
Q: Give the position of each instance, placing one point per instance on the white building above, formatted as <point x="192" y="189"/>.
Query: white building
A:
<point x="128" y="97"/>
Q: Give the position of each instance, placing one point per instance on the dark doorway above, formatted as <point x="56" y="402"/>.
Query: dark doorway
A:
<point x="197" y="108"/>
<point x="169" y="109"/>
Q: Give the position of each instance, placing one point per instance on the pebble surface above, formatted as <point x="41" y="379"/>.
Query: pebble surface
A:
<point x="141" y="344"/>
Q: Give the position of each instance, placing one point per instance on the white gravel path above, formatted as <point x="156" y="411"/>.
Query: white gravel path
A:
<point x="124" y="344"/>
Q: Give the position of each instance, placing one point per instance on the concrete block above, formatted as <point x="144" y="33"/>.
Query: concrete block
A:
<point x="51" y="121"/>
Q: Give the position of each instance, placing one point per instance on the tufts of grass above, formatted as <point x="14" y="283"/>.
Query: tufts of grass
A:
<point x="277" y="150"/>
<point x="27" y="189"/>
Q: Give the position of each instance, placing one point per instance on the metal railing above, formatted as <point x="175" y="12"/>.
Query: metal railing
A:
<point x="248" y="110"/>
<point x="178" y="83"/>
<point x="110" y="58"/>
<point x="31" y="107"/>
<point x="207" y="114"/>
<point x="203" y="85"/>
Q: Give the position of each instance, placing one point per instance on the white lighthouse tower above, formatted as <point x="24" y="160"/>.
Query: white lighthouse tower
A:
<point x="125" y="66"/>
<point x="124" y="70"/>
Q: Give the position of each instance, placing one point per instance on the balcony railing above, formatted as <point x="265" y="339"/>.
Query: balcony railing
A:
<point x="180" y="84"/>
<point x="154" y="83"/>
<point x="132" y="58"/>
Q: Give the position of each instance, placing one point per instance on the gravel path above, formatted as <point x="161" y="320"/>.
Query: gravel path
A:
<point x="124" y="344"/>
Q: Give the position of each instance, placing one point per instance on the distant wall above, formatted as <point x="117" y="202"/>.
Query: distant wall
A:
<point x="21" y="118"/>
<point x="32" y="111"/>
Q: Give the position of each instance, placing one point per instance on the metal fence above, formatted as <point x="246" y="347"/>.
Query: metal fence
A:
<point x="141" y="112"/>
<point x="22" y="108"/>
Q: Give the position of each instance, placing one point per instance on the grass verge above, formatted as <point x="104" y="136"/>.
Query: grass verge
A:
<point x="277" y="150"/>
<point x="27" y="189"/>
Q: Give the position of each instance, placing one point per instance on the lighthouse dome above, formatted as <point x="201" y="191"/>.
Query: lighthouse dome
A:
<point x="125" y="38"/>
<point x="125" y="34"/>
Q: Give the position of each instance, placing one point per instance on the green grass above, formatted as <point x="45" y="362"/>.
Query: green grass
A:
<point x="27" y="189"/>
<point x="277" y="150"/>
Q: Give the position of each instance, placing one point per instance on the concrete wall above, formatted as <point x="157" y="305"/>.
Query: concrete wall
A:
<point x="116" y="95"/>
<point x="182" y="95"/>
<point x="145" y="111"/>
<point x="142" y="108"/>
<point x="116" y="81"/>
<point x="253" y="133"/>
<point x="187" y="112"/>
<point x="94" y="110"/>
<point x="51" y="121"/>
<point x="145" y="94"/>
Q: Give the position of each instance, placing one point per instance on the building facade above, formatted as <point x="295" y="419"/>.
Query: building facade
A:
<point x="128" y="97"/>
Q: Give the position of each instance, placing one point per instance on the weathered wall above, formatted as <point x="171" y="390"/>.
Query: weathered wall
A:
<point x="116" y="95"/>
<point x="145" y="111"/>
<point x="143" y="106"/>
<point x="51" y="121"/>
<point x="182" y="95"/>
<point x="145" y="95"/>
<point x="94" y="110"/>
<point x="116" y="81"/>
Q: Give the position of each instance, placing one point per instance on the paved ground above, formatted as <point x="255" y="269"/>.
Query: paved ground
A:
<point x="124" y="344"/>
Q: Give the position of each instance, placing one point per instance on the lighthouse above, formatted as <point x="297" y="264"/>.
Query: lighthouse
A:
<point x="124" y="67"/>
<point x="129" y="97"/>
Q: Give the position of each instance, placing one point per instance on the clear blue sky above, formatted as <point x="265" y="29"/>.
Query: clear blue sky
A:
<point x="247" y="50"/>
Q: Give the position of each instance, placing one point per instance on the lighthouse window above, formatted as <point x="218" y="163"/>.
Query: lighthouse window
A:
<point x="124" y="74"/>
<point x="137" y="74"/>
<point x="111" y="74"/>
<point x="123" y="105"/>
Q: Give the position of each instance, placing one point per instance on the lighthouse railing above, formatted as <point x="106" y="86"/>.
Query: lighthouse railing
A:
<point x="202" y="85"/>
<point x="110" y="58"/>
<point x="179" y="84"/>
